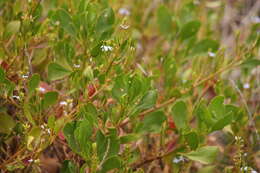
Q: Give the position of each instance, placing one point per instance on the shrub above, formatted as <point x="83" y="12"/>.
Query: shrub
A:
<point x="98" y="86"/>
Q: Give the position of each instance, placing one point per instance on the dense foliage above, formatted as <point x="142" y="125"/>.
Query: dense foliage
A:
<point x="129" y="86"/>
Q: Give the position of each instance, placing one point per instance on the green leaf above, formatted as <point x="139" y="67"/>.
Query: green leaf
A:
<point x="33" y="138"/>
<point x="251" y="63"/>
<point x="33" y="83"/>
<point x="152" y="122"/>
<point x="105" y="21"/>
<point x="205" y="155"/>
<point x="205" y="46"/>
<point x="189" y="29"/>
<point x="192" y="139"/>
<point x="111" y="163"/>
<point x="27" y="113"/>
<point x="65" y="20"/>
<point x="68" y="167"/>
<point x="217" y="107"/>
<point x="68" y="131"/>
<point x="221" y="123"/>
<point x="148" y="100"/>
<point x="82" y="135"/>
<point x="120" y="87"/>
<point x="129" y="138"/>
<point x="2" y="75"/>
<point x="107" y="144"/>
<point x="134" y="88"/>
<point x="180" y="114"/>
<point x="50" y="98"/>
<point x="56" y="71"/>
<point x="51" y="121"/>
<point x="101" y="144"/>
<point x="13" y="27"/>
<point x="203" y="115"/>
<point x="164" y="20"/>
<point x="6" y="123"/>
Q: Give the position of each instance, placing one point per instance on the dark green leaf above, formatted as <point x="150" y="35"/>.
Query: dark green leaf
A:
<point x="111" y="163"/>
<point x="50" y="98"/>
<point x="192" y="140"/>
<point x="203" y="115"/>
<point x="101" y="144"/>
<point x="68" y="131"/>
<point x="189" y="29"/>
<point x="2" y="75"/>
<point x="68" y="167"/>
<point x="82" y="135"/>
<point x="221" y="123"/>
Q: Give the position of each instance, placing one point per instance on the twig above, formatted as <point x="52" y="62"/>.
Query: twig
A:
<point x="250" y="116"/>
<point x="105" y="155"/>
<point x="172" y="100"/>
<point x="160" y="156"/>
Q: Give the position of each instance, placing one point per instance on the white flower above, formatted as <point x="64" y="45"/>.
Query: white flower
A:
<point x="105" y="48"/>
<point x="124" y="26"/>
<point x="211" y="54"/>
<point x="16" y="97"/>
<point x="41" y="89"/>
<point x="25" y="76"/>
<point x="246" y="86"/>
<point x="63" y="103"/>
<point x="30" y="160"/>
<point x="124" y="11"/>
<point x="254" y="171"/>
<point x="76" y="65"/>
<point x="178" y="159"/>
<point x="49" y="131"/>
